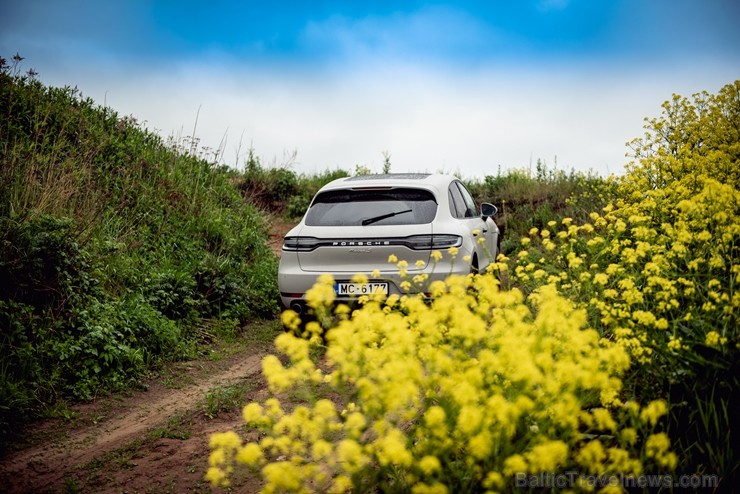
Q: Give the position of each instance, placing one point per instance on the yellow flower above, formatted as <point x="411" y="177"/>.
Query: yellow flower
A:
<point x="714" y="339"/>
<point x="592" y="456"/>
<point x="252" y="413"/>
<point x="391" y="449"/>
<point x="653" y="412"/>
<point x="424" y="488"/>
<point x="469" y="420"/>
<point x="657" y="447"/>
<point x="355" y="424"/>
<point x="514" y="464"/>
<point x="225" y="440"/>
<point x="349" y="453"/>
<point x="493" y="480"/>
<point x="342" y="483"/>
<point x="435" y="420"/>
<point x="282" y="476"/>
<point x="674" y="343"/>
<point x="480" y="445"/>
<point x="321" y="449"/>
<point x="290" y="319"/>
<point x="217" y="477"/>
<point x="322" y="293"/>
<point x="250" y="454"/>
<point x="429" y="465"/>
<point x="464" y="374"/>
<point x="547" y="457"/>
<point x="628" y="435"/>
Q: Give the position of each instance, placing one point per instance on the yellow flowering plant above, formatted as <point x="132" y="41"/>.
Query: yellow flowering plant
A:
<point x="657" y="271"/>
<point x="658" y="275"/>
<point x="460" y="393"/>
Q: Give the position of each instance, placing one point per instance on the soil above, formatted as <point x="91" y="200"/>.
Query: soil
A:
<point x="150" y="440"/>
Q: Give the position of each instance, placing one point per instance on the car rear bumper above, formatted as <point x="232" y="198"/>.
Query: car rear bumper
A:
<point x="294" y="283"/>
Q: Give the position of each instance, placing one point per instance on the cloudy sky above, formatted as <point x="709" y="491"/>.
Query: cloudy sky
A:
<point x="467" y="87"/>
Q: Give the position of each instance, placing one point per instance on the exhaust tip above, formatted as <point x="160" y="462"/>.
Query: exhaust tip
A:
<point x="298" y="307"/>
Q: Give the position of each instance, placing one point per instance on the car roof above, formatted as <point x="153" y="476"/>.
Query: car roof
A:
<point x="423" y="180"/>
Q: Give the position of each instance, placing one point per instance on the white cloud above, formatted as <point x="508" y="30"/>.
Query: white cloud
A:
<point x="428" y="119"/>
<point x="434" y="30"/>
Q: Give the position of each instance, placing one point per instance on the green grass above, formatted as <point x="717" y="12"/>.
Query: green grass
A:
<point x="525" y="200"/>
<point x="226" y="398"/>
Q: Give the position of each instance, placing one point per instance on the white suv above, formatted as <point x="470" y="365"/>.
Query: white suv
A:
<point x="354" y="225"/>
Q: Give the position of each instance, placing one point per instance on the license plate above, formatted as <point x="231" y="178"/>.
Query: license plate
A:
<point x="361" y="288"/>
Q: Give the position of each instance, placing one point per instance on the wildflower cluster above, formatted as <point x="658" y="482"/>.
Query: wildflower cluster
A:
<point x="657" y="271"/>
<point x="459" y="393"/>
<point x="656" y="274"/>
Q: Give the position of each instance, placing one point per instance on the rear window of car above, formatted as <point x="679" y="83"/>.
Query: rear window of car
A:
<point x="397" y="206"/>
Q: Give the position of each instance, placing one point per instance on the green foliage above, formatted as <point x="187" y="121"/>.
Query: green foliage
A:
<point x="386" y="162"/>
<point x="225" y="398"/>
<point x="280" y="190"/>
<point x="309" y="186"/>
<point x="525" y="202"/>
<point x="114" y="246"/>
<point x="268" y="188"/>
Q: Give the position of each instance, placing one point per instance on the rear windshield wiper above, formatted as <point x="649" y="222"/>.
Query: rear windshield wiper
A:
<point x="374" y="219"/>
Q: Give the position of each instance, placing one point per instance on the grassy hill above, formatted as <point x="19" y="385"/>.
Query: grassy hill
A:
<point x="117" y="249"/>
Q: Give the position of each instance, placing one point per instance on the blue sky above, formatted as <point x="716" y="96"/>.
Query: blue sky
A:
<point x="469" y="87"/>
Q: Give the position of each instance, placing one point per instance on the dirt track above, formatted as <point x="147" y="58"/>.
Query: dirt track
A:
<point x="115" y="448"/>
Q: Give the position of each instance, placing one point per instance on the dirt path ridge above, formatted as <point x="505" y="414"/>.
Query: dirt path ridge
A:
<point x="46" y="467"/>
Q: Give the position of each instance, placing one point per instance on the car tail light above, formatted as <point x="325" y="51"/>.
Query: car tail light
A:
<point x="300" y="244"/>
<point x="429" y="242"/>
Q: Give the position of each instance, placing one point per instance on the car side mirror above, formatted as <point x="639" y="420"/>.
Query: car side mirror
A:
<point x="487" y="210"/>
